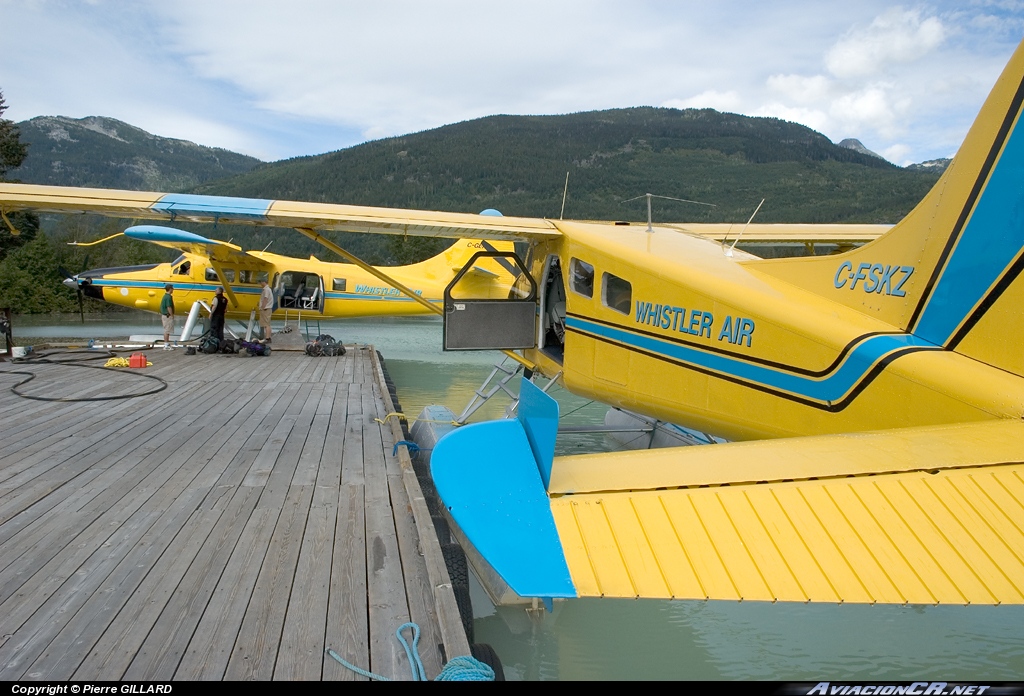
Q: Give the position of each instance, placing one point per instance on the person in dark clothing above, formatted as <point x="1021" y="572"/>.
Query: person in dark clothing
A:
<point x="217" y="309"/>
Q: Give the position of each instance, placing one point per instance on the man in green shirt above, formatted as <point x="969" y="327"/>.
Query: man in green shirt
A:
<point x="167" y="314"/>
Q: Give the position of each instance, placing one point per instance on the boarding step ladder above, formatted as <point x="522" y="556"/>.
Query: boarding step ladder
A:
<point x="315" y="322"/>
<point x="487" y="390"/>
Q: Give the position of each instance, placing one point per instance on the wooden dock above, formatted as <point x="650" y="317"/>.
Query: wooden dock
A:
<point x="233" y="526"/>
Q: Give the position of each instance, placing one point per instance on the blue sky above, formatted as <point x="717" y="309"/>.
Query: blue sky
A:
<point x="278" y="80"/>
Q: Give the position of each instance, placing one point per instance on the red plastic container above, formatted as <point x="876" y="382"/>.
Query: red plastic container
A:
<point x="137" y="360"/>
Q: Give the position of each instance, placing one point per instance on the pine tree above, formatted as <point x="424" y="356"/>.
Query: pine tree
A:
<point x="12" y="153"/>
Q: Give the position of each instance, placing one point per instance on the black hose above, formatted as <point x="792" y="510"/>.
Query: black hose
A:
<point x="43" y="359"/>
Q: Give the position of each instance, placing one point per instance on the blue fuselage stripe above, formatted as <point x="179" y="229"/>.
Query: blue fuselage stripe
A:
<point x="829" y="388"/>
<point x="989" y="244"/>
<point x="210" y="287"/>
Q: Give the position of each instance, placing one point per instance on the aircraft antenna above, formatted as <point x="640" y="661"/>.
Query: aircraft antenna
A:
<point x="649" y="196"/>
<point x="728" y="252"/>
<point x="268" y="245"/>
<point x="565" y="192"/>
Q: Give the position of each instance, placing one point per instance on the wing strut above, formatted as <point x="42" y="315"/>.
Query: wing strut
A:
<point x="224" y="282"/>
<point x="320" y="239"/>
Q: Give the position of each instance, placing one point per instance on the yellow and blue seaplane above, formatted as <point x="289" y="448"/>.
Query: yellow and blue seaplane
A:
<point x="317" y="288"/>
<point x="873" y="399"/>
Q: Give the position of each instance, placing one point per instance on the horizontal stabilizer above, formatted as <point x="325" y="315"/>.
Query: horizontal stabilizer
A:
<point x="189" y="242"/>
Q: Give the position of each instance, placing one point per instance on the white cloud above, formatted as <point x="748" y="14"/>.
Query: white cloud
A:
<point x="812" y="118"/>
<point x="279" y="80"/>
<point x="801" y="89"/>
<point x="898" y="153"/>
<point x="711" y="99"/>
<point x="873" y="107"/>
<point x="897" y="36"/>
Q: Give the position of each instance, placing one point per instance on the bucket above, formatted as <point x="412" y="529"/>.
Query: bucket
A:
<point x="18" y="351"/>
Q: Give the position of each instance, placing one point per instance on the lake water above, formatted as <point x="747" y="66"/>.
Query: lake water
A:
<point x="647" y="639"/>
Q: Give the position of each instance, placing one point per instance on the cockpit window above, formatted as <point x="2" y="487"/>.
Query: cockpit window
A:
<point x="184" y="269"/>
<point x="582" y="277"/>
<point x="617" y="293"/>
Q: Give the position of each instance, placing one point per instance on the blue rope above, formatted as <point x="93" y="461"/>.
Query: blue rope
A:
<point x="463" y="668"/>
<point x="466" y="668"/>
<point x="411" y="446"/>
<point x="413" y="653"/>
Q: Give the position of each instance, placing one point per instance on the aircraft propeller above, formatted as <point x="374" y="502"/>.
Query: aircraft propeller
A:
<point x="72" y="283"/>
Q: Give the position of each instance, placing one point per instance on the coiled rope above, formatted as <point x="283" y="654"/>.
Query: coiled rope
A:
<point x="463" y="668"/>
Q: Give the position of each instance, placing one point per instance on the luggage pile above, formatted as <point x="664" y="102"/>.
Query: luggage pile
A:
<point x="324" y="345"/>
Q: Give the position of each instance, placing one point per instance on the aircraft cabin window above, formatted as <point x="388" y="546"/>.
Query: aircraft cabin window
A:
<point x="262" y="276"/>
<point x="245" y="276"/>
<point x="339" y="284"/>
<point x="582" y="276"/>
<point x="618" y="293"/>
<point x="183" y="269"/>
<point x="211" y="275"/>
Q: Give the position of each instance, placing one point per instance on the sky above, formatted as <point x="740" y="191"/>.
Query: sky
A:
<point x="280" y="79"/>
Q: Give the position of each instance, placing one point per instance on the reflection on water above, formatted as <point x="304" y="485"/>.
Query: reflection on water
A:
<point x="647" y="639"/>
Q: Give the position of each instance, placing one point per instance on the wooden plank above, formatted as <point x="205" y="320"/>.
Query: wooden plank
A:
<point x="347" y="623"/>
<point x="113" y="653"/>
<point x="302" y="639"/>
<point x="453" y="633"/>
<point x="160" y="653"/>
<point x="389" y="606"/>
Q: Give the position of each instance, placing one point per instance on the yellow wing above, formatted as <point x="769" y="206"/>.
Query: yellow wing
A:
<point x="351" y="218"/>
<point x="316" y="216"/>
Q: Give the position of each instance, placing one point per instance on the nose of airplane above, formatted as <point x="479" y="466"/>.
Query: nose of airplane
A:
<point x="71" y="283"/>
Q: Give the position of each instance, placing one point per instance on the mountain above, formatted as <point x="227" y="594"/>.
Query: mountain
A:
<point x="106" y="153"/>
<point x="935" y="165"/>
<point x="518" y="165"/>
<point x="858" y="146"/>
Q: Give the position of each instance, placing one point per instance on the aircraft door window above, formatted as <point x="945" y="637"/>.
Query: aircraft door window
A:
<point x="298" y="289"/>
<point x="581" y="274"/>
<point x="617" y="293"/>
<point x="554" y="311"/>
<point x="184" y="269"/>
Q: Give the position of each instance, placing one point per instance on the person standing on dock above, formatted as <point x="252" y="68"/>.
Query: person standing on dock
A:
<point x="217" y="309"/>
<point x="167" y="314"/>
<point x="266" y="308"/>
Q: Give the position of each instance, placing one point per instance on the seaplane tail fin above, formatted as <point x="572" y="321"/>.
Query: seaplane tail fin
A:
<point x="950" y="271"/>
<point x="450" y="261"/>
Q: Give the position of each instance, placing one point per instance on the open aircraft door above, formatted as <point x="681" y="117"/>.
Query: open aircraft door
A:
<point x="487" y="323"/>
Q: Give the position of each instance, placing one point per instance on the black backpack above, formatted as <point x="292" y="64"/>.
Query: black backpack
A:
<point x="209" y="345"/>
<point x="324" y="345"/>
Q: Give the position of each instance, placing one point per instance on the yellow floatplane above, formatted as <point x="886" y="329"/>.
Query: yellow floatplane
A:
<point x="874" y="397"/>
